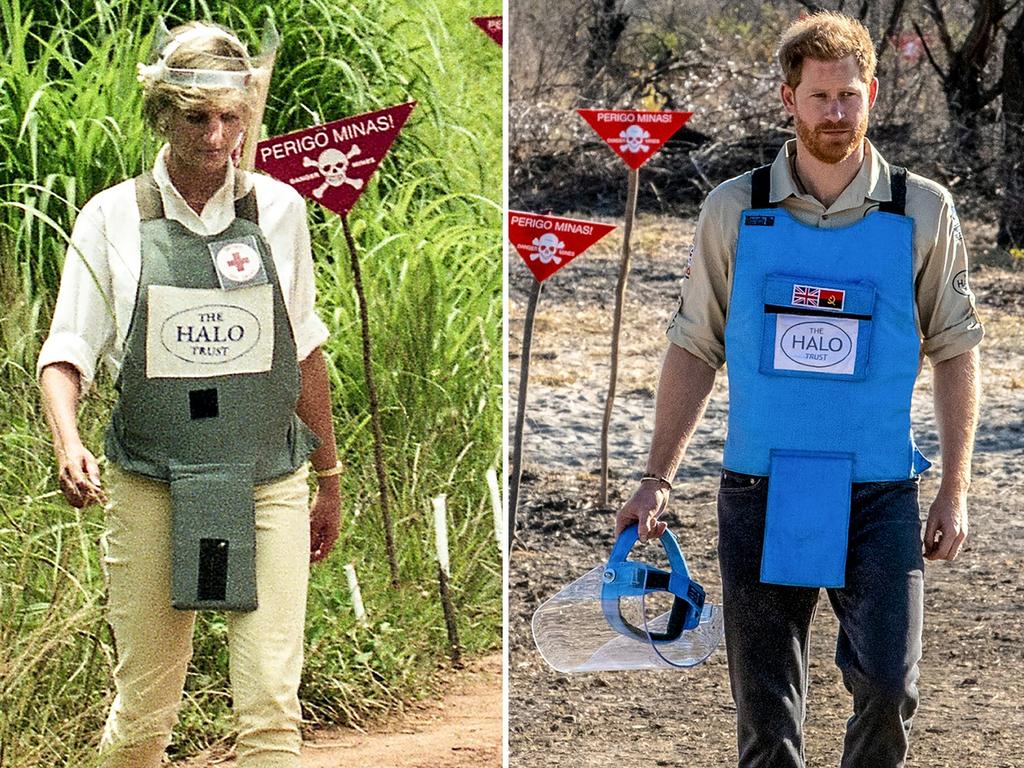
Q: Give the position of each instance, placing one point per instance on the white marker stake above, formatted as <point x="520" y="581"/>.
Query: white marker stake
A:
<point x="441" y="533"/>
<point x="357" y="596"/>
<point x="443" y="572"/>
<point x="492" y="484"/>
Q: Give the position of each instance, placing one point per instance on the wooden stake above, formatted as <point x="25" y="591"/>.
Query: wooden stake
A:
<point x="378" y="438"/>
<point x="517" y="445"/>
<point x="455" y="650"/>
<point x="620" y="298"/>
<point x="443" y="573"/>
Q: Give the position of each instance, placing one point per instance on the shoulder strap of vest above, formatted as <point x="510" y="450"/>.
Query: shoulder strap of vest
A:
<point x="246" y="208"/>
<point x="245" y="205"/>
<point x="761" y="187"/>
<point x="147" y="194"/>
<point x="898" y="186"/>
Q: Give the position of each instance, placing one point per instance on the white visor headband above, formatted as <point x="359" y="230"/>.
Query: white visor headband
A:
<point x="241" y="79"/>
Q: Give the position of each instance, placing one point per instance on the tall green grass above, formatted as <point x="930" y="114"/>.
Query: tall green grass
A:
<point x="428" y="229"/>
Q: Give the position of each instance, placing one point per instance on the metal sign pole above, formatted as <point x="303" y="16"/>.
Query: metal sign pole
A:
<point x="620" y="298"/>
<point x="517" y="445"/>
<point x="378" y="437"/>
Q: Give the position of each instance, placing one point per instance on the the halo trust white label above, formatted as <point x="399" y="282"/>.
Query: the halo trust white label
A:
<point x="196" y="332"/>
<point x="820" y="345"/>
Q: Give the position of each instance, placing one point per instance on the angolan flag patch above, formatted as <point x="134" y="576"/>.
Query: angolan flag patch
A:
<point x="811" y="296"/>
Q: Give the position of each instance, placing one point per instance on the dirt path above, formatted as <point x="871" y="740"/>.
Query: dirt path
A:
<point x="972" y="687"/>
<point x="459" y="731"/>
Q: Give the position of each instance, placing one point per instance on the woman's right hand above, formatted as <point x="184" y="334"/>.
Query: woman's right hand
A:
<point x="79" y="476"/>
<point x="77" y="469"/>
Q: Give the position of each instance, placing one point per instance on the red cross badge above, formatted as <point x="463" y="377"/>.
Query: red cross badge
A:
<point x="238" y="262"/>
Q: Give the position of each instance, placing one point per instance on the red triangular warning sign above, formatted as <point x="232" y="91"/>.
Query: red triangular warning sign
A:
<point x="635" y="135"/>
<point x="331" y="163"/>
<point x="491" y="25"/>
<point x="548" y="243"/>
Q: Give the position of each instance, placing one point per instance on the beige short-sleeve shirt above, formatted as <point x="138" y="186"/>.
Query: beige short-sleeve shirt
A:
<point x="947" y="318"/>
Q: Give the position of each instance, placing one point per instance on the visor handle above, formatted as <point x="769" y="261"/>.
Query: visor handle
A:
<point x="631" y="535"/>
<point x="689" y="596"/>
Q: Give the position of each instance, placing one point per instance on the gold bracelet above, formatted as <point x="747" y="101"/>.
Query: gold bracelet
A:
<point x="334" y="471"/>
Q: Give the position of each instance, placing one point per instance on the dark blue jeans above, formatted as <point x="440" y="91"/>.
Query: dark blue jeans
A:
<point x="880" y="615"/>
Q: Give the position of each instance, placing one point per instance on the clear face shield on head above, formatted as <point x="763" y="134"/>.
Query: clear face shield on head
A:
<point x="629" y="615"/>
<point x="206" y="73"/>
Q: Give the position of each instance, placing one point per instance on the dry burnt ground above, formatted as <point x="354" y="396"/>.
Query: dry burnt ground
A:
<point x="972" y="708"/>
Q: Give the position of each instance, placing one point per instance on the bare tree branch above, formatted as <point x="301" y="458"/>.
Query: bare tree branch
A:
<point x="1011" y="219"/>
<point x="991" y="94"/>
<point x="653" y="77"/>
<point x="891" y="27"/>
<point x="812" y="7"/>
<point x="1002" y="14"/>
<point x="928" y="52"/>
<point x="935" y="11"/>
<point x="979" y="37"/>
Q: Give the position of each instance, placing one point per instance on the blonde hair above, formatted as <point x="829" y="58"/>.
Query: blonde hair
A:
<point x="826" y="36"/>
<point x="200" y="46"/>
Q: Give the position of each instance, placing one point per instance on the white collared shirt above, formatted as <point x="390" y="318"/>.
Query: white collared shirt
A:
<point x="102" y="266"/>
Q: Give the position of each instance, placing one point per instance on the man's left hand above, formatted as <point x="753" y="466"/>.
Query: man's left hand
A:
<point x="947" y="526"/>
<point x="324" y="520"/>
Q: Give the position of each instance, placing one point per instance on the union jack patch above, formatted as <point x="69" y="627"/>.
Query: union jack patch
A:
<point x="803" y="294"/>
<point x="810" y="296"/>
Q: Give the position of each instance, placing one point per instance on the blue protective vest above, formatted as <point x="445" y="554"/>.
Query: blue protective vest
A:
<point x="821" y="340"/>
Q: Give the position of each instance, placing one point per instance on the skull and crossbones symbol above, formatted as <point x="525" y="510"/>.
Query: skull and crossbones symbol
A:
<point x="634" y="137"/>
<point x="547" y="246"/>
<point x="333" y="165"/>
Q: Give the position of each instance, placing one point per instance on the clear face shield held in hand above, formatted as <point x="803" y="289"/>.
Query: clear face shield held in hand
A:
<point x="629" y="615"/>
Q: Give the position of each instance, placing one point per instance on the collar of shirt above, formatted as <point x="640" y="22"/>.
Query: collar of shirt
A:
<point x="219" y="210"/>
<point x="870" y="183"/>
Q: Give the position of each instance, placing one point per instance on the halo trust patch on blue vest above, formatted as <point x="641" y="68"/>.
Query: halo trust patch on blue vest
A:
<point x="825" y="345"/>
<point x="196" y="332"/>
<point x="814" y="327"/>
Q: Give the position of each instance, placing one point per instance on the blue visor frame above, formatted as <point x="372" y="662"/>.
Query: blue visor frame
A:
<point x="629" y="578"/>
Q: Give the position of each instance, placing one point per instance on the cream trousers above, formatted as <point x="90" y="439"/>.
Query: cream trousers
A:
<point x="154" y="641"/>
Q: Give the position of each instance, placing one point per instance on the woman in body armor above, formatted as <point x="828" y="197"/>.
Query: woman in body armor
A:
<point x="194" y="283"/>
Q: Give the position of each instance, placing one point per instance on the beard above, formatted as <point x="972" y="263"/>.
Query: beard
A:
<point x="831" y="148"/>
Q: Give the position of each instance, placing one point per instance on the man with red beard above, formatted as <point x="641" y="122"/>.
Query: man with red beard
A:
<point x="823" y="280"/>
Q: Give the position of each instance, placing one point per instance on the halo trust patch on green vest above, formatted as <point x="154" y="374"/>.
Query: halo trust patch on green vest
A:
<point x="197" y="332"/>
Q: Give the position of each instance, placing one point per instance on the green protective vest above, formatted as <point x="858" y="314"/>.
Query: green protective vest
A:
<point x="207" y="393"/>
